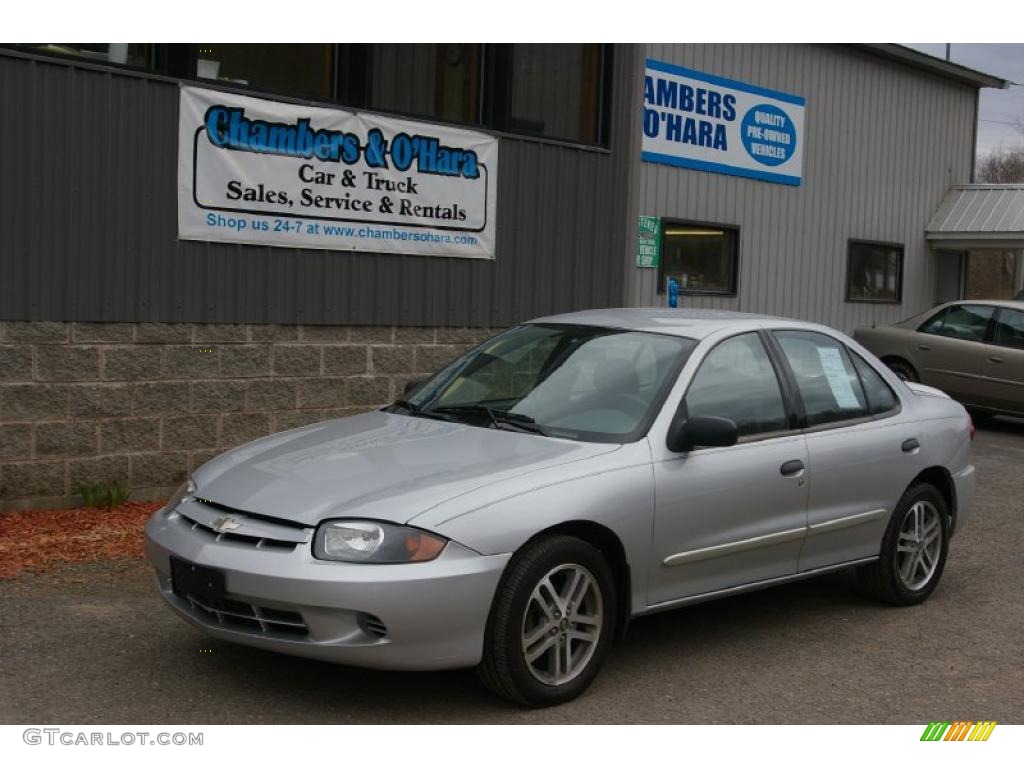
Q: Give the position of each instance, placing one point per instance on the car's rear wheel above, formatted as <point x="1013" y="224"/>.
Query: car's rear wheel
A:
<point x="981" y="418"/>
<point x="552" y="623"/>
<point x="904" y="370"/>
<point x="914" y="549"/>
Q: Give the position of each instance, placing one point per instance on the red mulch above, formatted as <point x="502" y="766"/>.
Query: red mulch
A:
<point x="43" y="539"/>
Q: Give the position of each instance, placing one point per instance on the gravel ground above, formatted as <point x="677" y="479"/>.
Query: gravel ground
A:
<point x="92" y="644"/>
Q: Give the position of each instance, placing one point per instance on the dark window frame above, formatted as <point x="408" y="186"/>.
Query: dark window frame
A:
<point x="496" y="84"/>
<point x="352" y="74"/>
<point x="176" y="62"/>
<point x="735" y="229"/>
<point x="170" y="60"/>
<point x="852" y="243"/>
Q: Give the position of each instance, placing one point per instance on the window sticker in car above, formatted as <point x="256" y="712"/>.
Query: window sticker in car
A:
<point x="838" y="378"/>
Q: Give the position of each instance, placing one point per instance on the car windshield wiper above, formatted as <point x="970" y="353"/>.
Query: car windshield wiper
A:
<point x="498" y="418"/>
<point x="415" y="410"/>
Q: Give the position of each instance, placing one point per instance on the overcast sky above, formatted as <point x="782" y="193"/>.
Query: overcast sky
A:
<point x="999" y="109"/>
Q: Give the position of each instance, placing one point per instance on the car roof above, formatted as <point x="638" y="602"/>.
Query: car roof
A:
<point x="692" y="323"/>
<point x="1009" y="303"/>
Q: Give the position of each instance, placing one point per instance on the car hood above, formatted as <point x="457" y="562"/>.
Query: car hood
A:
<point x="377" y="465"/>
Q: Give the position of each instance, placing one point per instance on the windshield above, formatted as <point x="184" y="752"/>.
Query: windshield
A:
<point x="577" y="382"/>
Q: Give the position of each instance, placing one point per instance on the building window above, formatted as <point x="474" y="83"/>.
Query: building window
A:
<point x="875" y="272"/>
<point x="554" y="91"/>
<point x="701" y="258"/>
<point x="124" y="54"/>
<point x="293" y="69"/>
<point x="990" y="275"/>
<point x="551" y="90"/>
<point x="434" y="80"/>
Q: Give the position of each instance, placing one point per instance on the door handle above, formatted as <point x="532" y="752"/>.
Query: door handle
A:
<point x="995" y="359"/>
<point x="791" y="468"/>
<point x="924" y="347"/>
<point x="911" y="445"/>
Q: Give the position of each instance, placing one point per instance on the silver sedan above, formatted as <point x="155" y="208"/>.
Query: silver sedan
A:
<point x="516" y="510"/>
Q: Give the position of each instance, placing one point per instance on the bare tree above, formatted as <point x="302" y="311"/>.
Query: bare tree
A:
<point x="1001" y="166"/>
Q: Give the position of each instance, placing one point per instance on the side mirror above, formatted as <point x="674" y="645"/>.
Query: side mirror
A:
<point x="685" y="434"/>
<point x="412" y="386"/>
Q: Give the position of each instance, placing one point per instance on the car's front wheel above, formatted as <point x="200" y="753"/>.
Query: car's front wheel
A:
<point x="552" y="623"/>
<point x="914" y="549"/>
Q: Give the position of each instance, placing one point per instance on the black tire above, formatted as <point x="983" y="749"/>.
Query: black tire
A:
<point x="504" y="668"/>
<point x="881" y="579"/>
<point x="981" y="418"/>
<point x="903" y="369"/>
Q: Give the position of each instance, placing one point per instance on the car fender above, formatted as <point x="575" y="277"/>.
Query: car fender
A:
<point x="614" y="490"/>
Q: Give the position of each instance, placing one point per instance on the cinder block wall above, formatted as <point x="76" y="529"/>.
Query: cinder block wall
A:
<point x="147" y="403"/>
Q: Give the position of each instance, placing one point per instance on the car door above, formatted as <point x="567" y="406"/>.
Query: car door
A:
<point x="1002" y="371"/>
<point x="862" y="451"/>
<point x="736" y="515"/>
<point x="950" y="350"/>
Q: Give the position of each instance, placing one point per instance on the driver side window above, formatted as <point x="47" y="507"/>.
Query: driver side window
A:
<point x="737" y="381"/>
<point x="968" y="322"/>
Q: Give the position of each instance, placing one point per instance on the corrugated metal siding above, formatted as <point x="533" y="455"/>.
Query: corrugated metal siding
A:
<point x="980" y="209"/>
<point x="88" y="223"/>
<point x="883" y="144"/>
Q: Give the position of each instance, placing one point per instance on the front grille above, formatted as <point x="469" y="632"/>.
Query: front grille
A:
<point x="253" y="541"/>
<point x="258" y="531"/>
<point x="245" y="617"/>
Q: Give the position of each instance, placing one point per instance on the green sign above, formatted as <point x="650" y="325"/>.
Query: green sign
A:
<point x="648" y="241"/>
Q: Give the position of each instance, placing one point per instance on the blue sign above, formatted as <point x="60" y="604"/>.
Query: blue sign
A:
<point x="709" y="123"/>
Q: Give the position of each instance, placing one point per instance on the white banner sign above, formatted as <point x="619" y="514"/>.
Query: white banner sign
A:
<point x="268" y="173"/>
<point x="709" y="123"/>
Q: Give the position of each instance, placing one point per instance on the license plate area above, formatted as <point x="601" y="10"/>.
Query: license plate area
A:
<point x="199" y="582"/>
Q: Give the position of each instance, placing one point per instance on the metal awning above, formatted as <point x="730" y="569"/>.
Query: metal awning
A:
<point x="979" y="216"/>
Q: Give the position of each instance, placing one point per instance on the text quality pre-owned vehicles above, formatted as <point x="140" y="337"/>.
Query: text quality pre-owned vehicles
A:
<point x="971" y="350"/>
<point x="514" y="511"/>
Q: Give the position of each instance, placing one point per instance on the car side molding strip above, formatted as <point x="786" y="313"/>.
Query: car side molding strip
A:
<point x="846" y="522"/>
<point x="770" y="539"/>
<point x="720" y="550"/>
<point x="668" y="605"/>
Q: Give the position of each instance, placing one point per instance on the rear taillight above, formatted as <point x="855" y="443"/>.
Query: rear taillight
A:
<point x="970" y="426"/>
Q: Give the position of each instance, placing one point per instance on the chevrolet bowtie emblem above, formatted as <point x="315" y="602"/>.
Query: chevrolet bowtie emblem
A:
<point x="224" y="524"/>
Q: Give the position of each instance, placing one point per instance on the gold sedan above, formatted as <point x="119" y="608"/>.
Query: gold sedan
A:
<point x="973" y="350"/>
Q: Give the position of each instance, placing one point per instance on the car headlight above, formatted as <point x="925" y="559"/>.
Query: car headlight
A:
<point x="184" y="493"/>
<point x="367" y="541"/>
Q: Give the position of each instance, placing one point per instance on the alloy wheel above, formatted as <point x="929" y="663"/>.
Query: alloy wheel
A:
<point x="562" y="624"/>
<point x="919" y="545"/>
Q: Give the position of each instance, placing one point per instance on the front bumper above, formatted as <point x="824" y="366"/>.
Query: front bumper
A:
<point x="432" y="614"/>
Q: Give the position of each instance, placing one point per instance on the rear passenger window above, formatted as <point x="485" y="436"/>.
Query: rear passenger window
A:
<point x="1010" y="329"/>
<point x="829" y="386"/>
<point x="881" y="398"/>
<point x="737" y="381"/>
